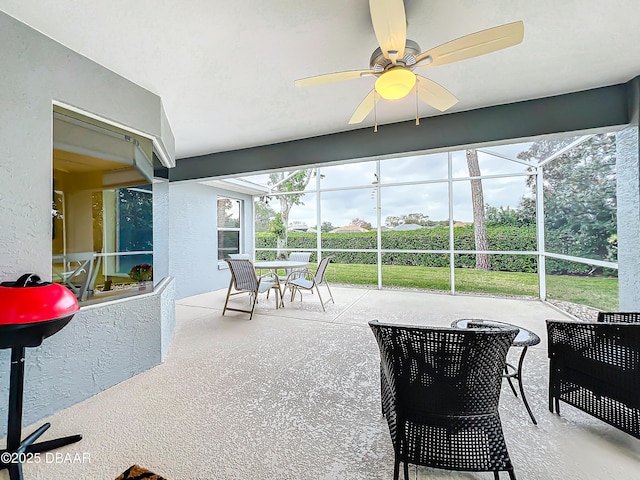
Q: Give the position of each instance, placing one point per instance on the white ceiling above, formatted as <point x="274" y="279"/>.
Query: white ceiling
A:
<point x="225" y="69"/>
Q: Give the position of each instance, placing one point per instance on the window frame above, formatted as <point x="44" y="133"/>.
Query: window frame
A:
<point x="240" y="229"/>
<point x="73" y="142"/>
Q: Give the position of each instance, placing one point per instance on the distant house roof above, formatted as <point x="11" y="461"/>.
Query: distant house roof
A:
<point x="407" y="226"/>
<point x="298" y="226"/>
<point x="461" y="224"/>
<point x="349" y="229"/>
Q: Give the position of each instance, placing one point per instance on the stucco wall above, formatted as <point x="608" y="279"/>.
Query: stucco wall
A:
<point x="106" y="343"/>
<point x="167" y="315"/>
<point x="160" y="230"/>
<point x="628" y="198"/>
<point x="193" y="253"/>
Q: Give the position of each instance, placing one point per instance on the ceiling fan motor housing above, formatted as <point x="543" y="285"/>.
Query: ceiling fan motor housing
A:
<point x="379" y="63"/>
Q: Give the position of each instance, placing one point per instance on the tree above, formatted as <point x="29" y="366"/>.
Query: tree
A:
<point x="477" y="201"/>
<point x="579" y="195"/>
<point x="326" y="227"/>
<point x="522" y="216"/>
<point x="264" y="215"/>
<point x="284" y="182"/>
<point x="358" y="222"/>
<point x="135" y="212"/>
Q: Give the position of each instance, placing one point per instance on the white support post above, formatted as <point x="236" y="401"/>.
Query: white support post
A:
<point x="540" y="247"/>
<point x="379" y="219"/>
<point x="318" y="217"/>
<point x="452" y="263"/>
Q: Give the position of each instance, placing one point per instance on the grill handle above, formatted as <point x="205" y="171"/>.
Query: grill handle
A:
<point x="26" y="280"/>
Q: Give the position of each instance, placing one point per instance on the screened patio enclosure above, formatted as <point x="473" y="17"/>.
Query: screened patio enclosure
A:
<point x="537" y="219"/>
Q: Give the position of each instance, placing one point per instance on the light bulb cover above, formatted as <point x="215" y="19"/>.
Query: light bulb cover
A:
<point x="395" y="83"/>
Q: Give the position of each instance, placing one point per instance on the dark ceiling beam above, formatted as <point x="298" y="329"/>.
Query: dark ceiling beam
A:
<point x="634" y="101"/>
<point x="599" y="108"/>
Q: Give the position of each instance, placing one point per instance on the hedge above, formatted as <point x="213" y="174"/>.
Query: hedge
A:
<point x="436" y="238"/>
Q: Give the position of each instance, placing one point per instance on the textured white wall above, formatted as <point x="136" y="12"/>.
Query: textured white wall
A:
<point x="35" y="72"/>
<point x="167" y="315"/>
<point x="628" y="198"/>
<point x="104" y="344"/>
<point x="160" y="230"/>
<point x="193" y="252"/>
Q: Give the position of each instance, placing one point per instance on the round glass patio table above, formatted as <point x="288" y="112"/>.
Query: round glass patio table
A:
<point x="525" y="338"/>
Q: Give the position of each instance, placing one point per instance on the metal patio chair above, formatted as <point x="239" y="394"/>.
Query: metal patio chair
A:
<point x="245" y="280"/>
<point x="305" y="280"/>
<point x="296" y="257"/>
<point x="440" y="389"/>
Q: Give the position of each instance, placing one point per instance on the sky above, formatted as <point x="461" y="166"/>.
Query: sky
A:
<point x="342" y="206"/>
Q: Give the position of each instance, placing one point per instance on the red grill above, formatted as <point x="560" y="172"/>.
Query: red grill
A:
<point x="30" y="311"/>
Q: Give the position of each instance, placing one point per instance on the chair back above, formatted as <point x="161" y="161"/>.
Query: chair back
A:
<point x="299" y="256"/>
<point x="443" y="371"/>
<point x="322" y="268"/>
<point x="243" y="274"/>
<point x="621" y="317"/>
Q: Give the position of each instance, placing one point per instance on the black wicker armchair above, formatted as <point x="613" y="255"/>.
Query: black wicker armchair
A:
<point x="595" y="367"/>
<point x="440" y="389"/>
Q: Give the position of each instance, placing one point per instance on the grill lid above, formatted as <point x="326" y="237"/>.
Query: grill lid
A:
<point x="30" y="300"/>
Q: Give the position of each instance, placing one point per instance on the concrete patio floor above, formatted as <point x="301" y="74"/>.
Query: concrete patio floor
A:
<point x="294" y="394"/>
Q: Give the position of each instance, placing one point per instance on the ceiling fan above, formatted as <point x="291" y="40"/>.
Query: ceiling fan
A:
<point x="395" y="59"/>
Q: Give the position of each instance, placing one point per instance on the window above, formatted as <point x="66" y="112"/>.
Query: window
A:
<point x="229" y="230"/>
<point x="102" y="208"/>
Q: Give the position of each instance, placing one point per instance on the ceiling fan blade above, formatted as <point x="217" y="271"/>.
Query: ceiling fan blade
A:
<point x="434" y="94"/>
<point x="364" y="108"/>
<point x="332" y="77"/>
<point x="390" y="26"/>
<point x="474" y="45"/>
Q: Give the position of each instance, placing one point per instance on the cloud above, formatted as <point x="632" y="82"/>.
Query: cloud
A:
<point x="341" y="206"/>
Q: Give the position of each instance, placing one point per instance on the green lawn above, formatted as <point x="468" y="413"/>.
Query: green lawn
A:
<point x="598" y="292"/>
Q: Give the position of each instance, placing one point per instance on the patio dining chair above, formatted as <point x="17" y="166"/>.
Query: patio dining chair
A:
<point x="293" y="257"/>
<point x="298" y="281"/>
<point x="440" y="389"/>
<point x="245" y="280"/>
<point x="296" y="257"/>
<point x="244" y="256"/>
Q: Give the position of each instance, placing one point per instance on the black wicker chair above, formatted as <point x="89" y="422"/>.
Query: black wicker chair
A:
<point x="440" y="389"/>
<point x="595" y="367"/>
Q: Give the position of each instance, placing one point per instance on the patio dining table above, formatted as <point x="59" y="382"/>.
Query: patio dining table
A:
<point x="275" y="265"/>
<point x="279" y="265"/>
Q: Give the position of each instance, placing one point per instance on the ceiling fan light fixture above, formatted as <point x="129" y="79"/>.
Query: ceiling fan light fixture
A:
<point x="395" y="83"/>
